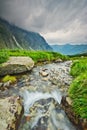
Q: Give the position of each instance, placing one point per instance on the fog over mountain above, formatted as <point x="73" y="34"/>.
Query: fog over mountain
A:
<point x="70" y="49"/>
<point x="59" y="21"/>
<point x="13" y="37"/>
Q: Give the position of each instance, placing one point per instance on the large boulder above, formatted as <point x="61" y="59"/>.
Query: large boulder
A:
<point x="16" y="65"/>
<point x="10" y="113"/>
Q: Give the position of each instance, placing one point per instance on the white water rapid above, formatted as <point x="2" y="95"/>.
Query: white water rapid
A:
<point x="29" y="98"/>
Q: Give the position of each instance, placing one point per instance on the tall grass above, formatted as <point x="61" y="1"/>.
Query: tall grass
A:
<point x="78" y="88"/>
<point x="37" y="56"/>
<point x="78" y="67"/>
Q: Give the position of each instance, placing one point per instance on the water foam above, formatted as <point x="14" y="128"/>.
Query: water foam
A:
<point x="29" y="98"/>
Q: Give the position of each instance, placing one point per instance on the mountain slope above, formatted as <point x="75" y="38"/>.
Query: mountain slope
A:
<point x="13" y="37"/>
<point x="69" y="49"/>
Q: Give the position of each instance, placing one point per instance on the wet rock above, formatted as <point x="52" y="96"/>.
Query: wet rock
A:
<point x="69" y="63"/>
<point x="16" y="65"/>
<point x="53" y="70"/>
<point x="61" y="116"/>
<point x="44" y="74"/>
<point x="54" y="80"/>
<point x="44" y="69"/>
<point x="7" y="84"/>
<point x="10" y="112"/>
<point x="58" y="61"/>
<point x="45" y="79"/>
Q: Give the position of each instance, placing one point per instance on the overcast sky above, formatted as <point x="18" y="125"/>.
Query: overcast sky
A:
<point x="59" y="21"/>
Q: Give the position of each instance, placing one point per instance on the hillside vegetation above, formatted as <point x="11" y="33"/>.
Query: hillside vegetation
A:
<point x="78" y="88"/>
<point x="37" y="56"/>
<point x="13" y="37"/>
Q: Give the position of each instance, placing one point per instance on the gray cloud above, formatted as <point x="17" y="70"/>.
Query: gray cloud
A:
<point x="59" y="21"/>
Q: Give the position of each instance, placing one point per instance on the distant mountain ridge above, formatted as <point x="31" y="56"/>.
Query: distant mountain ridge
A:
<point x="69" y="49"/>
<point x="13" y="37"/>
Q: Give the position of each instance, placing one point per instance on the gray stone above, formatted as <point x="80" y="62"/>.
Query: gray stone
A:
<point x="69" y="101"/>
<point x="58" y="61"/>
<point x="7" y="84"/>
<point x="44" y="74"/>
<point x="16" y="65"/>
<point x="8" y="108"/>
<point x="45" y="79"/>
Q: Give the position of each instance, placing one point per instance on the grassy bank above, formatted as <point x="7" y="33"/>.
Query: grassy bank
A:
<point x="78" y="88"/>
<point x="37" y="56"/>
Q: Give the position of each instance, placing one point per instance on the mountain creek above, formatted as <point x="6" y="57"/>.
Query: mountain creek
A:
<point x="41" y="91"/>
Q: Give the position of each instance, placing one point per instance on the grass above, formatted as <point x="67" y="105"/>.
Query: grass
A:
<point x="37" y="56"/>
<point x="78" y="88"/>
<point x="3" y="56"/>
<point x="9" y="78"/>
<point x="78" y="67"/>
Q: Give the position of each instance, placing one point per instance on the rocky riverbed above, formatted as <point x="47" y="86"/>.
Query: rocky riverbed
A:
<point x="41" y="91"/>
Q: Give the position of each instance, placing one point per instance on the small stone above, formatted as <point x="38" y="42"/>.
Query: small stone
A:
<point x="58" y="61"/>
<point x="7" y="84"/>
<point x="54" y="80"/>
<point x="44" y="74"/>
<point x="52" y="70"/>
<point x="69" y="100"/>
<point x="44" y="69"/>
<point x="45" y="79"/>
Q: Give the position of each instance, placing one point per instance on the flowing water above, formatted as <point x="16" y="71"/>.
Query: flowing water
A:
<point x="42" y="98"/>
<point x="42" y="91"/>
<point x="45" y="112"/>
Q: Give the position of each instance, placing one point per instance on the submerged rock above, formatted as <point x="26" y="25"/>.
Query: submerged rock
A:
<point x="10" y="113"/>
<point x="43" y="72"/>
<point x="16" y="65"/>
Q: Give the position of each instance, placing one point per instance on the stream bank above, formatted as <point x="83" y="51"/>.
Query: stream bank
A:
<point x="80" y="123"/>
